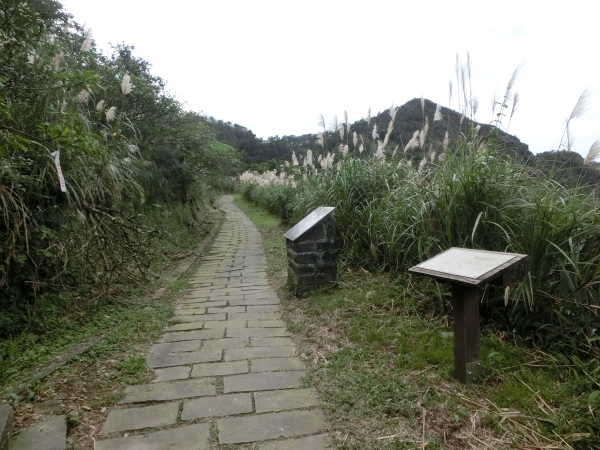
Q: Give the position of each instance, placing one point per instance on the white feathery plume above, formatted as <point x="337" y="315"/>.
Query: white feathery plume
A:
<point x="369" y="117"/>
<point x="432" y="156"/>
<point x="345" y="150"/>
<point x="355" y="139"/>
<point x="494" y="103"/>
<point x="449" y="92"/>
<point x="83" y="96"/>
<point x="327" y="161"/>
<point x="579" y="110"/>
<point x="593" y="153"/>
<point x="308" y="161"/>
<point x="400" y="163"/>
<point x="413" y="143"/>
<point x="475" y="105"/>
<point x="31" y="58"/>
<point x="477" y="128"/>
<point x="388" y="134"/>
<point x="379" y="154"/>
<point x="515" y="104"/>
<point x="335" y="124"/>
<point x="581" y="106"/>
<point x="438" y="113"/>
<point x="111" y="113"/>
<point x="342" y="129"/>
<point x="321" y="122"/>
<point x="134" y="148"/>
<point x="294" y="159"/>
<point x="511" y="83"/>
<point x="126" y="85"/>
<point x="100" y="105"/>
<point x="374" y="133"/>
<point x="423" y="132"/>
<point x="423" y="163"/>
<point x="423" y="104"/>
<point x="86" y="46"/>
<point x="395" y="150"/>
<point x="392" y="112"/>
<point x="361" y="148"/>
<point x="57" y="60"/>
<point x="446" y="141"/>
<point x="347" y="123"/>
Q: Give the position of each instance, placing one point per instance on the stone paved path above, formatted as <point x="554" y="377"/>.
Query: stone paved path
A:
<point x="227" y="374"/>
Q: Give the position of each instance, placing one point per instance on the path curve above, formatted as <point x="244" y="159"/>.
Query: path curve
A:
<point x="227" y="371"/>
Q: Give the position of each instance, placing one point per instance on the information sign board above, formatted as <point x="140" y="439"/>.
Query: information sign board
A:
<point x="308" y="222"/>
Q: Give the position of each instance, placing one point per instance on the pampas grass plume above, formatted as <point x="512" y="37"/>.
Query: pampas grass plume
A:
<point x="413" y="141"/>
<point x="446" y="141"/>
<point x="374" y="133"/>
<point x="321" y="122"/>
<point x="86" y="46"/>
<point x="83" y="96"/>
<point x="126" y="85"/>
<point x="438" y="113"/>
<point x="593" y="153"/>
<point x="111" y="113"/>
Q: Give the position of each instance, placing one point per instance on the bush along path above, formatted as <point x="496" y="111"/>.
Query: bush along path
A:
<point x="227" y="374"/>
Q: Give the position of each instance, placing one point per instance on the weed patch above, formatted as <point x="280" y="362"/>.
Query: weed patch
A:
<point x="382" y="363"/>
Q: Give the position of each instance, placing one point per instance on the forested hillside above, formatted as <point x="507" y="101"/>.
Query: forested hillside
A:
<point x="260" y="154"/>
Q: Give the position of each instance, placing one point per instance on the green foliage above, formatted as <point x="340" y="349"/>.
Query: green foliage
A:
<point x="128" y="151"/>
<point x="377" y="363"/>
<point x="391" y="216"/>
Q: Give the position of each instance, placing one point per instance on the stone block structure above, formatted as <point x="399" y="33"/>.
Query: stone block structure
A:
<point x="311" y="251"/>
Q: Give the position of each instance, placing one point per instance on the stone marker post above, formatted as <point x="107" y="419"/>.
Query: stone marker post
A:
<point x="311" y="251"/>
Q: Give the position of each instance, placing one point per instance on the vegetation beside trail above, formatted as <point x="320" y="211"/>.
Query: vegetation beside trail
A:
<point x="380" y="343"/>
<point x="380" y="355"/>
<point x="140" y="173"/>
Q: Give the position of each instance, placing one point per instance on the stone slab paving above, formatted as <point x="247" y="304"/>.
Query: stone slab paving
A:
<point x="48" y="434"/>
<point x="227" y="374"/>
<point x="145" y="417"/>
<point x="192" y="437"/>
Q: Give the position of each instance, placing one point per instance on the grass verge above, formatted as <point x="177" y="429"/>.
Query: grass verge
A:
<point x="383" y="368"/>
<point x="128" y="324"/>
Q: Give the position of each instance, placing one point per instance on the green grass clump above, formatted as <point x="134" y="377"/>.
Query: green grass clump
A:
<point x="391" y="216"/>
<point x="382" y="364"/>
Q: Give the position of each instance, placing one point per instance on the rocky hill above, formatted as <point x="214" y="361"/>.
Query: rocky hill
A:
<point x="567" y="168"/>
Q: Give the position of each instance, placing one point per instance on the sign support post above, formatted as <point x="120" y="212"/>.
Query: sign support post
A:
<point x="465" y="311"/>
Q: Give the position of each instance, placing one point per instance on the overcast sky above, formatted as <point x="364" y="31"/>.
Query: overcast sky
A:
<point x="273" y="66"/>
